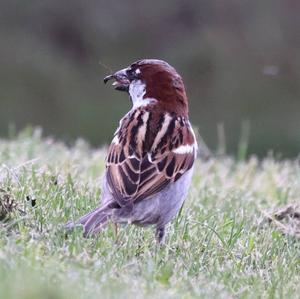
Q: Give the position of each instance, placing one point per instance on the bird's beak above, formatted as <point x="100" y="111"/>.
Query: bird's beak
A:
<point x="121" y="80"/>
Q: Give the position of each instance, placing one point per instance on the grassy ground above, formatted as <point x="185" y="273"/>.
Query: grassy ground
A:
<point x="215" y="247"/>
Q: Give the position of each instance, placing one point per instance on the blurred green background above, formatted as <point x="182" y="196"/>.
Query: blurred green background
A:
<point x="240" y="61"/>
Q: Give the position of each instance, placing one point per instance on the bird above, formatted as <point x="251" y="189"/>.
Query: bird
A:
<point x="150" y="160"/>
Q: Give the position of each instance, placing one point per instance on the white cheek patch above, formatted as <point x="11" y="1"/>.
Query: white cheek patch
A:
<point x="137" y="90"/>
<point x="184" y="149"/>
<point x="137" y="71"/>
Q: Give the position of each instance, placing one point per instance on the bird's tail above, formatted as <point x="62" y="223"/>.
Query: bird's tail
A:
<point x="92" y="222"/>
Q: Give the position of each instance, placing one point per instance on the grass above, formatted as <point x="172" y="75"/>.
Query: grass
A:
<point x="215" y="247"/>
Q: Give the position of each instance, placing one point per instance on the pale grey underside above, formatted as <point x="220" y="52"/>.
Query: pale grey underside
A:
<point x="158" y="209"/>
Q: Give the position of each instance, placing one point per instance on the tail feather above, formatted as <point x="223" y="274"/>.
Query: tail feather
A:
<point x="92" y="222"/>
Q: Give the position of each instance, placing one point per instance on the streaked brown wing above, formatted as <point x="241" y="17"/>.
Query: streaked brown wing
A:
<point x="133" y="176"/>
<point x="167" y="168"/>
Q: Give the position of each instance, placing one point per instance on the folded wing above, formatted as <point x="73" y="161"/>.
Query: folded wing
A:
<point x="135" y="171"/>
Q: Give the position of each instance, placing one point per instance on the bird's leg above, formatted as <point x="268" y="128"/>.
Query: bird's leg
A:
<point x="160" y="235"/>
<point x="115" y="228"/>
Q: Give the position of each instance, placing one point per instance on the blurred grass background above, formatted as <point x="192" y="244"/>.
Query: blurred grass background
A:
<point x="240" y="61"/>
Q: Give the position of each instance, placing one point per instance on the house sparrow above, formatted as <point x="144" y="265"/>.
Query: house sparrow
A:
<point x="150" y="160"/>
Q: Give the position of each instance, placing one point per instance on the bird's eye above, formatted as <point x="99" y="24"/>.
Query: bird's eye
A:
<point x="132" y="74"/>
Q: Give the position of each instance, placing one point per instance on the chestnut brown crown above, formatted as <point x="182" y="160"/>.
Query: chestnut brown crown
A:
<point x="160" y="82"/>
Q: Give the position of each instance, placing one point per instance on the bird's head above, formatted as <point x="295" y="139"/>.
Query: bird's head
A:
<point x="152" y="81"/>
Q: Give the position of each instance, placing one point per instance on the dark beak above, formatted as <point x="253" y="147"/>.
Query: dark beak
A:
<point x="107" y="78"/>
<point x="121" y="80"/>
